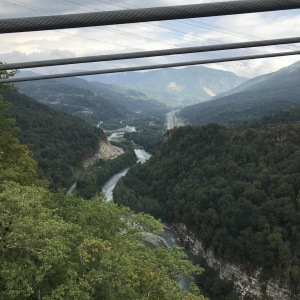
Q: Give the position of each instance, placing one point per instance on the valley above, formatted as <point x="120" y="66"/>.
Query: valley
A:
<point x="168" y="235"/>
<point x="229" y="192"/>
<point x="150" y="150"/>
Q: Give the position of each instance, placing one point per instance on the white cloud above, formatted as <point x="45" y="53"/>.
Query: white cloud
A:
<point x="146" y="36"/>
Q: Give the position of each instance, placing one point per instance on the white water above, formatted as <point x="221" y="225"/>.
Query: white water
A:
<point x="108" y="187"/>
<point x="119" y="133"/>
<point x="142" y="155"/>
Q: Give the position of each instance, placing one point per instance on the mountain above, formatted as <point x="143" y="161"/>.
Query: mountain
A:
<point x="233" y="197"/>
<point x="59" y="142"/>
<point x="57" y="246"/>
<point x="91" y="101"/>
<point x="177" y="87"/>
<point x="262" y="96"/>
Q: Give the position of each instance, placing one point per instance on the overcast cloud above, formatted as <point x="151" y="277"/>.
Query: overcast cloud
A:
<point x="42" y="45"/>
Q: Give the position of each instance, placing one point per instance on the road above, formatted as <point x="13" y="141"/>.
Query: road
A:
<point x="171" y="119"/>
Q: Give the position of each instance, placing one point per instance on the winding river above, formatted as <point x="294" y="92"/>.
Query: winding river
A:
<point x="168" y="234"/>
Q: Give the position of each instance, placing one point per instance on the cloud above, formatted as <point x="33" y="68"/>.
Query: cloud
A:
<point x="145" y="36"/>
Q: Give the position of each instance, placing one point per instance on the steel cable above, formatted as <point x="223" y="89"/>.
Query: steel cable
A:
<point x="150" y="67"/>
<point x="109" y="57"/>
<point x="143" y="15"/>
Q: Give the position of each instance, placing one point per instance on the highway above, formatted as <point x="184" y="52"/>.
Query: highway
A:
<point x="171" y="119"/>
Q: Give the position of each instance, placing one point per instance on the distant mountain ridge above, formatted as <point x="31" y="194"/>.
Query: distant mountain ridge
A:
<point x="260" y="82"/>
<point x="261" y="96"/>
<point x="91" y="101"/>
<point x="177" y="87"/>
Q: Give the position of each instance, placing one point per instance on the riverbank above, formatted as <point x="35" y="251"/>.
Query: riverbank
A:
<point x="106" y="151"/>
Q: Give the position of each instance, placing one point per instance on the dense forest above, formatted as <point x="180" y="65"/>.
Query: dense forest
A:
<point x="59" y="142"/>
<point x="59" y="247"/>
<point x="149" y="132"/>
<point x="237" y="190"/>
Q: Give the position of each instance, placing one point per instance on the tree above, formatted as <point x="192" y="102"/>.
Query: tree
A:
<point x="15" y="159"/>
<point x="61" y="247"/>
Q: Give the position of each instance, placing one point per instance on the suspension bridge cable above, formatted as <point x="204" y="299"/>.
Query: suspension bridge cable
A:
<point x="143" y="15"/>
<point x="109" y="57"/>
<point x="144" y="25"/>
<point x="150" y="67"/>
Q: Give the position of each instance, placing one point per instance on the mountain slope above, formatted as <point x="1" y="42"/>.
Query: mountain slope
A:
<point x="59" y="142"/>
<point x="261" y="96"/>
<point x="56" y="246"/>
<point x="236" y="192"/>
<point x="177" y="87"/>
<point x="93" y="102"/>
<point x="270" y="80"/>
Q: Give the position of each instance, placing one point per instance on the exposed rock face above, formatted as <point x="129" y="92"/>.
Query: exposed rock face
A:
<point x="106" y="151"/>
<point x="247" y="286"/>
<point x="154" y="240"/>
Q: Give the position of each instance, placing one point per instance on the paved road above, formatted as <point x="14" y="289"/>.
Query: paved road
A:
<point x="171" y="119"/>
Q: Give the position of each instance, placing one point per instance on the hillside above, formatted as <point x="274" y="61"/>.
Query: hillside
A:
<point x="57" y="246"/>
<point x="60" y="142"/>
<point x="177" y="87"/>
<point x="94" y="102"/>
<point x="236" y="193"/>
<point x="258" y="97"/>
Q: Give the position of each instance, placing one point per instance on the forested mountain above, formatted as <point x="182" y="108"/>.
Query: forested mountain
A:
<point x="59" y="142"/>
<point x="238" y="191"/>
<point x="285" y="74"/>
<point x="261" y="96"/>
<point x="177" y="87"/>
<point x="93" y="102"/>
<point x="54" y="246"/>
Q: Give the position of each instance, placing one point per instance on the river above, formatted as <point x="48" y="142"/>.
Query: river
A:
<point x="142" y="156"/>
<point x="168" y="234"/>
<point x="109" y="186"/>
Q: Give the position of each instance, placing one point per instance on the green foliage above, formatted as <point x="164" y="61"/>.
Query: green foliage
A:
<point x="237" y="190"/>
<point x="54" y="246"/>
<point x="5" y="74"/>
<point x="91" y="180"/>
<point x="6" y="125"/>
<point x="16" y="162"/>
<point x="212" y="283"/>
<point x="148" y="139"/>
<point x="291" y="115"/>
<point x="149" y="130"/>
<point x="63" y="247"/>
<point x="33" y="241"/>
<point x="59" y="142"/>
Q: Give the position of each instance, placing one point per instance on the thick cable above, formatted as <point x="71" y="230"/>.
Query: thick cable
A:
<point x="144" y="15"/>
<point x="150" y="67"/>
<point x="109" y="57"/>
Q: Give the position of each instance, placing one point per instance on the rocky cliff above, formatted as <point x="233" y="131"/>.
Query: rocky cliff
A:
<point x="106" y="151"/>
<point x="247" y="286"/>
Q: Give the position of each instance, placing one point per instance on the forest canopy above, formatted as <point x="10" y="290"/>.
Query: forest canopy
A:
<point x="237" y="190"/>
<point x="59" y="247"/>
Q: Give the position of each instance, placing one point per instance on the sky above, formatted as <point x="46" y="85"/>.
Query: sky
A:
<point x="31" y="46"/>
